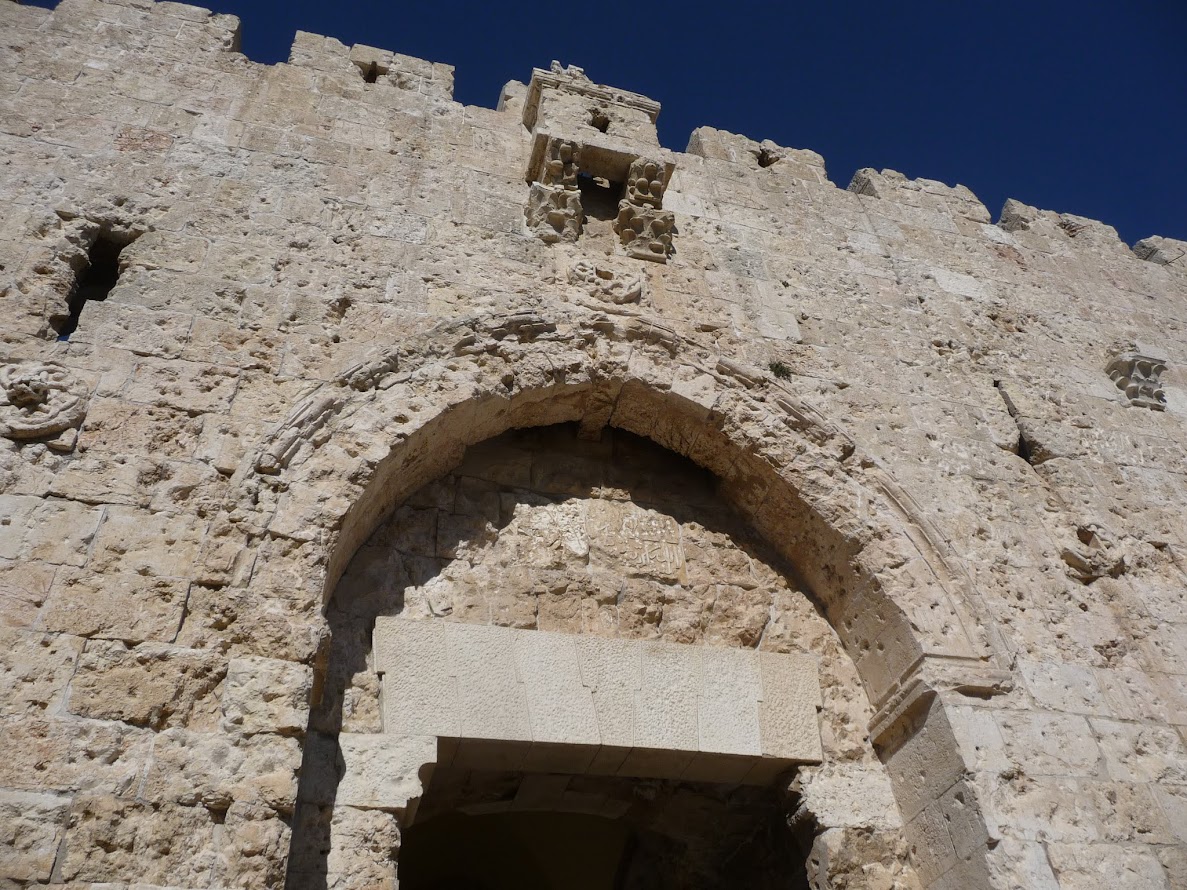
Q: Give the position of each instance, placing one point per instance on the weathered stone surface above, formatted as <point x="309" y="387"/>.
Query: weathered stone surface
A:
<point x="33" y="825"/>
<point x="112" y="839"/>
<point x="215" y="770"/>
<point x="126" y="607"/>
<point x="153" y="684"/>
<point x="266" y="695"/>
<point x="910" y="459"/>
<point x="34" y="671"/>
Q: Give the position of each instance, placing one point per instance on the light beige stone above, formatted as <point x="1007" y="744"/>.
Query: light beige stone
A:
<point x="641" y="699"/>
<point x="33" y="828"/>
<point x="34" y="671"/>
<point x="383" y="772"/>
<point x="266" y="695"/>
<point x="919" y="472"/>
<point x="153" y="684"/>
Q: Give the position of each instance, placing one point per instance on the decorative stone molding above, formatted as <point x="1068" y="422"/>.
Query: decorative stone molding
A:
<point x="606" y="284"/>
<point x="554" y="213"/>
<point x="554" y="209"/>
<point x="490" y="373"/>
<point x="645" y="183"/>
<point x="1137" y="376"/>
<point x="38" y="400"/>
<point x="645" y="233"/>
<point x="562" y="164"/>
<point x="643" y="227"/>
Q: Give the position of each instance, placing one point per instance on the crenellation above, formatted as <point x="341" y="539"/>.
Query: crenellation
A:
<point x="927" y="194"/>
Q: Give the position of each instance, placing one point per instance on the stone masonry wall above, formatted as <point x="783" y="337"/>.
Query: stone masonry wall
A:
<point x="970" y="439"/>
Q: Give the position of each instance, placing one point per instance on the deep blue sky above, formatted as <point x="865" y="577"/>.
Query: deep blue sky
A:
<point x="1078" y="106"/>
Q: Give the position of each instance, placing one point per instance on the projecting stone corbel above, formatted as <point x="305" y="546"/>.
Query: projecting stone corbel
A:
<point x="1138" y="376"/>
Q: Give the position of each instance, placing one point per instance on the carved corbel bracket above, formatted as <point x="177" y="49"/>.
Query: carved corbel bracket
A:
<point x="605" y="284"/>
<point x="1137" y="376"/>
<point x="39" y="401"/>
<point x="554" y="209"/>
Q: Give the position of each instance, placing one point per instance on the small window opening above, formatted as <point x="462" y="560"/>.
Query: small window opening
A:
<point x="599" y="120"/>
<point x="599" y="196"/>
<point x="94" y="282"/>
<point x="371" y="74"/>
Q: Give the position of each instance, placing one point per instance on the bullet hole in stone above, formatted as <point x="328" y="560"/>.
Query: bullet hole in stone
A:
<point x="96" y="280"/>
<point x="599" y="120"/>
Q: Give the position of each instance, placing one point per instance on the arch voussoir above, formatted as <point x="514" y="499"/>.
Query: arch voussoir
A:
<point x="364" y="442"/>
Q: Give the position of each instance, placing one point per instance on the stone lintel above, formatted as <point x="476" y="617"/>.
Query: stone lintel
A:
<point x="503" y="698"/>
<point x="603" y="156"/>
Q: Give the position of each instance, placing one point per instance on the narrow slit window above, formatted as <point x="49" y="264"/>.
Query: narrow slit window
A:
<point x="94" y="282"/>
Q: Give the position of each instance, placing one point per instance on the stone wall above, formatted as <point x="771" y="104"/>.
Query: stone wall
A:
<point x="962" y="442"/>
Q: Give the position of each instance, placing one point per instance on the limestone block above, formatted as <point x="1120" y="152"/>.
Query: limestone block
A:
<point x="67" y="754"/>
<point x="146" y="543"/>
<point x="1020" y="864"/>
<point x="118" y="840"/>
<point x="933" y="852"/>
<point x="34" y="670"/>
<point x="249" y="623"/>
<point x="420" y="695"/>
<point x="255" y="849"/>
<point x="1064" y="687"/>
<point x="138" y="330"/>
<point x="364" y="844"/>
<point x="653" y="708"/>
<point x="31" y="827"/>
<point x="613" y="671"/>
<point x="666" y="709"/>
<point x="153" y="684"/>
<point x="193" y="387"/>
<point x="61" y="532"/>
<point x="266" y="695"/>
<point x="1101" y="866"/>
<point x="788" y="709"/>
<point x="491" y="699"/>
<point x="1173" y="800"/>
<point x="852" y="795"/>
<point x="214" y="770"/>
<point x="560" y="708"/>
<point x="728" y="706"/>
<point x="925" y="764"/>
<point x="1141" y="753"/>
<point x="118" y="606"/>
<point x="1050" y="744"/>
<point x="24" y="588"/>
<point x="381" y="771"/>
<point x="16" y="520"/>
<point x="980" y="740"/>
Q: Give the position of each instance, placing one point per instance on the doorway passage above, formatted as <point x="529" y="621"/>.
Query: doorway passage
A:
<point x="496" y="830"/>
